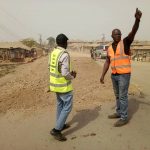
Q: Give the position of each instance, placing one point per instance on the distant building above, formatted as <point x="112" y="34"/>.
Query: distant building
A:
<point x="14" y="51"/>
<point x="140" y="52"/>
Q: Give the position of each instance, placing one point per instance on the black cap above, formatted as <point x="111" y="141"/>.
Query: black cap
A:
<point x="61" y="39"/>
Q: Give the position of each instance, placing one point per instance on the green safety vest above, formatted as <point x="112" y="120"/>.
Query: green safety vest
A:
<point x="57" y="82"/>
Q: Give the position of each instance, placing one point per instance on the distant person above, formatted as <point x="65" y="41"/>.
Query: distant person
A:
<point x="35" y="53"/>
<point x="60" y="83"/>
<point x="118" y="57"/>
<point x="91" y="52"/>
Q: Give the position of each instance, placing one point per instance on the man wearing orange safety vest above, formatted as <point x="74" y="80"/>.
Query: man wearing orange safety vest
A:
<point x="118" y="57"/>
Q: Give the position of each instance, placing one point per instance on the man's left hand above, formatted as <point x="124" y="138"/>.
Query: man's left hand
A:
<point x="74" y="73"/>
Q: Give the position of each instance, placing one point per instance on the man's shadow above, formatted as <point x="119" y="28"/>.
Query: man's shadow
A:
<point x="134" y="104"/>
<point x="82" y="118"/>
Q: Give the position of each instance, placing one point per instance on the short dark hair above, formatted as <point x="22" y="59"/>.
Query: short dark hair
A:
<point x="61" y="39"/>
<point x="114" y="30"/>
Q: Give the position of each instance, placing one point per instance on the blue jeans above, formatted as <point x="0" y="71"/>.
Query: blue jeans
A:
<point x="64" y="107"/>
<point x="120" y="86"/>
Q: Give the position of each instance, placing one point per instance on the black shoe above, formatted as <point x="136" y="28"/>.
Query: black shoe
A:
<point x="58" y="135"/>
<point x="114" y="116"/>
<point x="120" y="123"/>
<point x="66" y="126"/>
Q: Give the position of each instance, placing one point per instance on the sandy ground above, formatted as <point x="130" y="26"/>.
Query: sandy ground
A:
<point x="141" y="74"/>
<point x="27" y="111"/>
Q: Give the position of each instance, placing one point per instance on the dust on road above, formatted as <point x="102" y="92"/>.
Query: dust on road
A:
<point x="27" y="111"/>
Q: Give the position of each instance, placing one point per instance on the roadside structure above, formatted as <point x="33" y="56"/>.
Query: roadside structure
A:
<point x="141" y="51"/>
<point x="14" y="51"/>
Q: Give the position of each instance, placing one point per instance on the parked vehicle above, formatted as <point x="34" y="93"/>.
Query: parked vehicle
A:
<point x="101" y="51"/>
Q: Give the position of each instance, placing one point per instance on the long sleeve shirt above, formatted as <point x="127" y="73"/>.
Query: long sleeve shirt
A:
<point x="64" y="66"/>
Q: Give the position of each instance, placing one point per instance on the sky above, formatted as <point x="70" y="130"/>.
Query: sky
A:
<point x="79" y="19"/>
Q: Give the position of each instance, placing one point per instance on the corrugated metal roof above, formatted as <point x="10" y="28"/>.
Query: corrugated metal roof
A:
<point x="14" y="45"/>
<point x="141" y="47"/>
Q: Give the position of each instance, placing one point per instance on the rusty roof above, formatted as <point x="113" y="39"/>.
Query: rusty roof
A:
<point x="14" y="45"/>
<point x="144" y="47"/>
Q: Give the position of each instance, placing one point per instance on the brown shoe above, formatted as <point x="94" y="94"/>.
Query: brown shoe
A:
<point x="120" y="123"/>
<point x="58" y="135"/>
<point x="114" y="116"/>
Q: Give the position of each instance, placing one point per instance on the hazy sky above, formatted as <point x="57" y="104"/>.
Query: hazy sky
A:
<point x="78" y="19"/>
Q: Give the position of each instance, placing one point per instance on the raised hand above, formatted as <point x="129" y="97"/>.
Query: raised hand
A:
<point x="138" y="14"/>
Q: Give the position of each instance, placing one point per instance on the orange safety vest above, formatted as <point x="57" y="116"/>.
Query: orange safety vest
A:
<point x="120" y="62"/>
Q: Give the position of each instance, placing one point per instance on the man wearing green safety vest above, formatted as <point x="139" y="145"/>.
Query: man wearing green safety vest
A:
<point x="60" y="83"/>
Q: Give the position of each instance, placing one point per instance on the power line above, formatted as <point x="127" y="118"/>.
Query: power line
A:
<point x="18" y="21"/>
<point x="7" y="31"/>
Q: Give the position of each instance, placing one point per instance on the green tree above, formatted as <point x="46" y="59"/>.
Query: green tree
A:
<point x="29" y="42"/>
<point x="51" y="42"/>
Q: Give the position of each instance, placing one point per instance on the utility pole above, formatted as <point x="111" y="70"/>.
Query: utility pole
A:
<point x="103" y="38"/>
<point x="40" y="39"/>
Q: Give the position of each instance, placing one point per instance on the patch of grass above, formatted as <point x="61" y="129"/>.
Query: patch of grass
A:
<point x="7" y="68"/>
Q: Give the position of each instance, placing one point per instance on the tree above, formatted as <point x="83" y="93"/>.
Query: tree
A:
<point x="29" y="42"/>
<point x="51" y="42"/>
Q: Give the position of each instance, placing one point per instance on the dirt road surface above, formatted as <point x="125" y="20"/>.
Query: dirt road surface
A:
<point x="141" y="74"/>
<point x="27" y="111"/>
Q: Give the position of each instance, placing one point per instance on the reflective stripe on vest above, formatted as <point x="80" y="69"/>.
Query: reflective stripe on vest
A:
<point x="52" y="66"/>
<point x="120" y="62"/>
<point x="55" y="75"/>
<point x="122" y="66"/>
<point x="118" y="58"/>
<point x="61" y="85"/>
<point x="58" y="83"/>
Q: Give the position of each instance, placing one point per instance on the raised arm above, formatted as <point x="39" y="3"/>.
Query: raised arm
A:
<point x="135" y="27"/>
